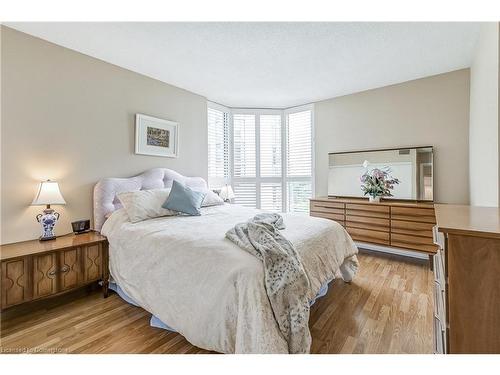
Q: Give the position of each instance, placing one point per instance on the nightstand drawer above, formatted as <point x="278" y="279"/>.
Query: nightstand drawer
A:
<point x="44" y="273"/>
<point x="92" y="262"/>
<point x="70" y="269"/>
<point x="15" y="282"/>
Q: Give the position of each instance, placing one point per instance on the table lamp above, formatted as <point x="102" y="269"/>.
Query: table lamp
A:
<point x="227" y="193"/>
<point x="48" y="193"/>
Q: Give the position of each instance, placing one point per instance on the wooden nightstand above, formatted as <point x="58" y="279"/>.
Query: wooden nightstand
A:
<point x="33" y="270"/>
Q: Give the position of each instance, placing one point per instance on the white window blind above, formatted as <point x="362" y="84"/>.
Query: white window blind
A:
<point x="245" y="193"/>
<point x="244" y="145"/>
<point x="299" y="146"/>
<point x="270" y="145"/>
<point x="218" y="146"/>
<point x="271" y="194"/>
<point x="299" y="160"/>
<point x="299" y="193"/>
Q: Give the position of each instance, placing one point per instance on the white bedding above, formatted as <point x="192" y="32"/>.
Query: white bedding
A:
<point x="183" y="270"/>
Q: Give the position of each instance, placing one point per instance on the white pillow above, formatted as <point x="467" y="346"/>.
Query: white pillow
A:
<point x="211" y="199"/>
<point x="145" y="204"/>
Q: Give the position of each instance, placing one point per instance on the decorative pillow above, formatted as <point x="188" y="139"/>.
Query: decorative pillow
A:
<point x="145" y="204"/>
<point x="212" y="199"/>
<point x="183" y="199"/>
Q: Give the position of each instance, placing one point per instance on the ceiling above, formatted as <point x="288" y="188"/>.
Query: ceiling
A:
<point x="271" y="65"/>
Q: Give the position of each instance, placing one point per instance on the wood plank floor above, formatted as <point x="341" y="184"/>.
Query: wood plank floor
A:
<point x="386" y="309"/>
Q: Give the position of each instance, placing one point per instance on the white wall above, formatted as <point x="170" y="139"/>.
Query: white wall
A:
<point x="483" y="130"/>
<point x="432" y="111"/>
<point x="70" y="117"/>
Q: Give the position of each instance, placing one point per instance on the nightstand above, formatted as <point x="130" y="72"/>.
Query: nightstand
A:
<point x="34" y="270"/>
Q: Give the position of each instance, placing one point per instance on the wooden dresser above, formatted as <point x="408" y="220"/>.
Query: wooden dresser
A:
<point x="405" y="225"/>
<point x="33" y="270"/>
<point x="467" y="280"/>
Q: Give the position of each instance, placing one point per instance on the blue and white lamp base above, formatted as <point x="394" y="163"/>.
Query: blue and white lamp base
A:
<point x="48" y="222"/>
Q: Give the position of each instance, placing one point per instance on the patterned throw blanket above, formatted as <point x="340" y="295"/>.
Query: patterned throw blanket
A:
<point x="286" y="281"/>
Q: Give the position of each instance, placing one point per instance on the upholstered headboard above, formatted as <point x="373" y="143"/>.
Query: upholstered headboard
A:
<point x="105" y="201"/>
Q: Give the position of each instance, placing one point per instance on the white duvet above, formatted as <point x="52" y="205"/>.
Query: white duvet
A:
<point x="183" y="270"/>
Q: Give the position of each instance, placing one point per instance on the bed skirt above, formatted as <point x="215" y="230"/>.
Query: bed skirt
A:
<point x="157" y="323"/>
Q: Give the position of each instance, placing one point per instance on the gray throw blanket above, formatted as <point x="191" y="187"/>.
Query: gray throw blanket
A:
<point x="286" y="281"/>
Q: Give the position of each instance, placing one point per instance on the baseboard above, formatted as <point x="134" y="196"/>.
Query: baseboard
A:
<point x="392" y="250"/>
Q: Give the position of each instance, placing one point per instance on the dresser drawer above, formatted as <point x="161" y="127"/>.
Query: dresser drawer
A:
<point x="413" y="242"/>
<point x="367" y="210"/>
<point x="326" y="204"/>
<point x="366" y="235"/>
<point x="425" y="215"/>
<point x="368" y="207"/>
<point x="327" y="215"/>
<point x="331" y="210"/>
<point x="413" y="239"/>
<point x="412" y="228"/>
<point x="367" y="223"/>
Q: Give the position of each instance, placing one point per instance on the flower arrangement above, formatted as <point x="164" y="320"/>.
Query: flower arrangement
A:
<point x="378" y="183"/>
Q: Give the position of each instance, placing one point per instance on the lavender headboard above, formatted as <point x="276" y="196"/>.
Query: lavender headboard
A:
<point x="105" y="201"/>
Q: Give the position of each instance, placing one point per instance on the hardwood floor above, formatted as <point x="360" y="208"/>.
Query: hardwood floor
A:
<point x="386" y="309"/>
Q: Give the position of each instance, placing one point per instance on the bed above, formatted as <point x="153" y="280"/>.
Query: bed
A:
<point x="185" y="272"/>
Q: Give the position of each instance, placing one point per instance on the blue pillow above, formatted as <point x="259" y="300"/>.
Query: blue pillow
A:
<point x="183" y="199"/>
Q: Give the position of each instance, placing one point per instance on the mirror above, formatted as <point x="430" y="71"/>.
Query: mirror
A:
<point x="413" y="167"/>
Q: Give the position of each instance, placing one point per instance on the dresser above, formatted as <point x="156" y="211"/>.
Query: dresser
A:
<point x="467" y="280"/>
<point x="34" y="270"/>
<point x="398" y="224"/>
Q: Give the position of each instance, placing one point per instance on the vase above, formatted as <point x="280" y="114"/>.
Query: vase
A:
<point x="48" y="221"/>
<point x="374" y="199"/>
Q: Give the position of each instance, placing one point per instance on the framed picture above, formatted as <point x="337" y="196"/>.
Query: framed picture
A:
<point x="155" y="136"/>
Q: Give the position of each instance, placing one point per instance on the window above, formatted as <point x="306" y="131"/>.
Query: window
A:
<point x="244" y="145"/>
<point x="299" y="160"/>
<point x="270" y="145"/>
<point x="218" y="147"/>
<point x="271" y="157"/>
<point x="245" y="160"/>
<point x="270" y="162"/>
<point x="258" y="156"/>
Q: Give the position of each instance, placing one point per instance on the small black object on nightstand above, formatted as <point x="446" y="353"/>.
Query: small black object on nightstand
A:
<point x="81" y="226"/>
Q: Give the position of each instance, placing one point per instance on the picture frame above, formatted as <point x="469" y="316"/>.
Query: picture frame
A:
<point x="156" y="137"/>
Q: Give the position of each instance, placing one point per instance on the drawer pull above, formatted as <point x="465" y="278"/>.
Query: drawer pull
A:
<point x="62" y="270"/>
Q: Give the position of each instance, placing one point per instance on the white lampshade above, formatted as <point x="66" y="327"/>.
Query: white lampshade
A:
<point x="226" y="192"/>
<point x="48" y="193"/>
